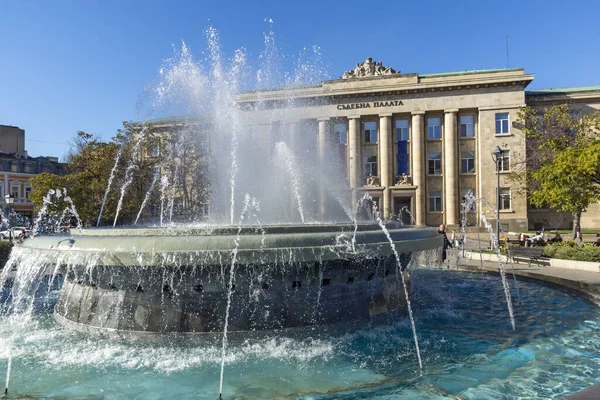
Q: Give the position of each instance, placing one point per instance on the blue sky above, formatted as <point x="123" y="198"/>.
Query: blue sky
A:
<point x="82" y="65"/>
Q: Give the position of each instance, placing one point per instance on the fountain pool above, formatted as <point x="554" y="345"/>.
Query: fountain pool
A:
<point x="467" y="345"/>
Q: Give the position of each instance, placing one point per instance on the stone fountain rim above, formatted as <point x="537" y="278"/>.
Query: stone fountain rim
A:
<point x="228" y="230"/>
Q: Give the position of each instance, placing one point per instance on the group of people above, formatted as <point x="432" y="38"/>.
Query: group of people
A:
<point x="534" y="240"/>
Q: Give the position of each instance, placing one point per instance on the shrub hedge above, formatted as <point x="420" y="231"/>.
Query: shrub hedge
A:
<point x="569" y="250"/>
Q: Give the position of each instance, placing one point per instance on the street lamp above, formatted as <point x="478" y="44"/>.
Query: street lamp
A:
<point x="9" y="199"/>
<point x="497" y="157"/>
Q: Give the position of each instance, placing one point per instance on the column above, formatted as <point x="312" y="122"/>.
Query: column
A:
<point x="293" y="138"/>
<point x="321" y="151"/>
<point x="417" y="141"/>
<point x="450" y="168"/>
<point x="385" y="158"/>
<point x="354" y="159"/>
<point x="292" y="133"/>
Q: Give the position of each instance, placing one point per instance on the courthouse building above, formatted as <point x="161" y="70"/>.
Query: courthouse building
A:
<point x="422" y="141"/>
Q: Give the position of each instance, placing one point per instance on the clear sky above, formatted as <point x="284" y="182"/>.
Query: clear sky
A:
<point x="83" y="65"/>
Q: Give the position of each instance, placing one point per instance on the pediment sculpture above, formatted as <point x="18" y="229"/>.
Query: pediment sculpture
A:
<point x="372" y="181"/>
<point x="403" y="180"/>
<point x="369" y="68"/>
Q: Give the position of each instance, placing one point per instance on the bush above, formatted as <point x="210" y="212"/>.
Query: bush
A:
<point x="568" y="250"/>
<point x="5" y="249"/>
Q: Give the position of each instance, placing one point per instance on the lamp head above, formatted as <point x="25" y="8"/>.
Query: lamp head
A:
<point x="497" y="152"/>
<point x="9" y="199"/>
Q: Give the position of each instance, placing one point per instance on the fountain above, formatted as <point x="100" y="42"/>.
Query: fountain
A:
<point x="282" y="293"/>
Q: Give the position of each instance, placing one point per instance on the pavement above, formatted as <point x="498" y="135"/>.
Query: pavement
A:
<point x="587" y="283"/>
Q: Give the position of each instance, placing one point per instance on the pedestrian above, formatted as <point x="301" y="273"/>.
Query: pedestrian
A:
<point x="576" y="232"/>
<point x="577" y="235"/>
<point x="446" y="244"/>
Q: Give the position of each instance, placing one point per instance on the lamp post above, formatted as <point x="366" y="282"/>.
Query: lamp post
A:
<point x="497" y="157"/>
<point x="9" y="199"/>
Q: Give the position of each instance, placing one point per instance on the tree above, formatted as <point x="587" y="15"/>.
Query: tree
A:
<point x="41" y="185"/>
<point x="144" y="153"/>
<point x="562" y="167"/>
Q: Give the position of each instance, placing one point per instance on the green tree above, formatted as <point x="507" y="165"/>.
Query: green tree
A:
<point x="41" y="185"/>
<point x="562" y="167"/>
<point x="144" y="153"/>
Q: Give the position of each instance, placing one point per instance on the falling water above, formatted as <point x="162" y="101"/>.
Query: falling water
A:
<point x="233" y="174"/>
<point x="47" y="200"/>
<point x="148" y="193"/>
<point x="172" y="193"/>
<point x="247" y="202"/>
<point x="129" y="173"/>
<point x="25" y="285"/>
<point x="292" y="169"/>
<point x="399" y="272"/>
<point x="511" y="264"/>
<point x="73" y="210"/>
<point x="502" y="269"/>
<point x="467" y="205"/>
<point x="164" y="185"/>
<point x="362" y="201"/>
<point x="110" y="180"/>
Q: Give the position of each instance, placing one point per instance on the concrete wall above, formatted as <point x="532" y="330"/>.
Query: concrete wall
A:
<point x="12" y="139"/>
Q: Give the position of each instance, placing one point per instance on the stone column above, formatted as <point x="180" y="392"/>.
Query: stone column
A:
<point x="293" y="136"/>
<point x="450" y="168"/>
<point x="322" y="151"/>
<point x="354" y="156"/>
<point x="417" y="141"/>
<point x="385" y="161"/>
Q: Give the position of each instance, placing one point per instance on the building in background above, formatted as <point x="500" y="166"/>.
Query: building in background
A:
<point x="416" y="142"/>
<point x="422" y="141"/>
<point x="17" y="167"/>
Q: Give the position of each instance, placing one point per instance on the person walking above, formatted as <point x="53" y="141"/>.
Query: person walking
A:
<point x="576" y="232"/>
<point x="446" y="244"/>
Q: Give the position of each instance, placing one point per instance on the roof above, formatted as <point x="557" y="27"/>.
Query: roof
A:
<point x="469" y="72"/>
<point x="169" y="120"/>
<point x="289" y="87"/>
<point x="580" y="89"/>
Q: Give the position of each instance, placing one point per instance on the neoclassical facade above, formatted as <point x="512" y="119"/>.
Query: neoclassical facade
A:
<point x="420" y="141"/>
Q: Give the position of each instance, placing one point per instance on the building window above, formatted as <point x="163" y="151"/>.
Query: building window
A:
<point x="468" y="199"/>
<point x="505" y="198"/>
<point x="371" y="165"/>
<point x="467" y="162"/>
<point x="370" y="132"/>
<point x="401" y="129"/>
<point x="467" y="127"/>
<point x="28" y="191"/>
<point x="435" y="200"/>
<point x="14" y="166"/>
<point x="435" y="164"/>
<point x="434" y="128"/>
<point x="29" y="168"/>
<point x="341" y="133"/>
<point x="501" y="123"/>
<point x="154" y="150"/>
<point x="402" y="156"/>
<point x="504" y="161"/>
<point x="14" y="191"/>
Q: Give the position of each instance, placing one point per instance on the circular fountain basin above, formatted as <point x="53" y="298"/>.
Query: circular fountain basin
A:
<point x="180" y="279"/>
<point x="469" y="351"/>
